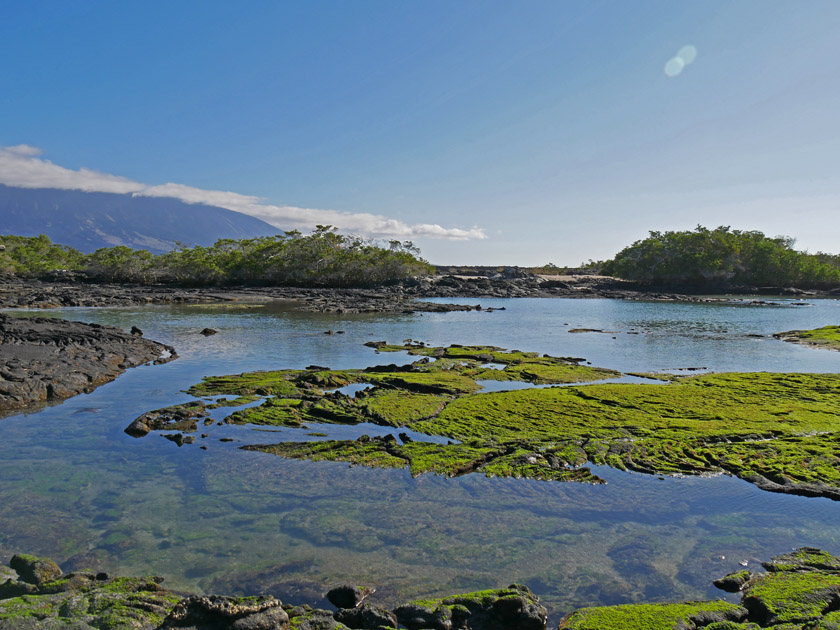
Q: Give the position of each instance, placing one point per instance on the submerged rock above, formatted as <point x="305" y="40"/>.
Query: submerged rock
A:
<point x="175" y="418"/>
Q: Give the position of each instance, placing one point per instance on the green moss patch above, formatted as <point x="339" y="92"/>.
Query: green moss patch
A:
<point x="398" y="408"/>
<point x="825" y="337"/>
<point x="652" y="616"/>
<point x="792" y="597"/>
<point x="779" y="431"/>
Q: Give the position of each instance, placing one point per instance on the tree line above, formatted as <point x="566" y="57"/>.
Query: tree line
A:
<point x="721" y="257"/>
<point x="322" y="258"/>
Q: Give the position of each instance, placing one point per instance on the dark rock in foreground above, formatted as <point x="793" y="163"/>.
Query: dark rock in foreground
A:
<point x="87" y="601"/>
<point x="513" y="608"/>
<point x="800" y="591"/>
<point x="347" y="596"/>
<point x="221" y="613"/>
<point x="52" y="359"/>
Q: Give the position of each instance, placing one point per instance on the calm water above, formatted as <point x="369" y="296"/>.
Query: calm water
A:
<point x="74" y="487"/>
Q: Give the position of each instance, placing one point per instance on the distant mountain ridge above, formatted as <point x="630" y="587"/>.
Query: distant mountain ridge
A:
<point x="90" y="220"/>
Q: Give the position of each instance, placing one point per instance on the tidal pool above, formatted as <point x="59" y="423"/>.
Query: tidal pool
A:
<point x="76" y="488"/>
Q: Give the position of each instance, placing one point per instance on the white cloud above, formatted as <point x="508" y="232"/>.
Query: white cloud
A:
<point x="24" y="149"/>
<point x="21" y="166"/>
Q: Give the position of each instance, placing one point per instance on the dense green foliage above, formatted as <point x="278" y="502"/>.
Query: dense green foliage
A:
<point x="323" y="258"/>
<point x="37" y="255"/>
<point x="723" y="256"/>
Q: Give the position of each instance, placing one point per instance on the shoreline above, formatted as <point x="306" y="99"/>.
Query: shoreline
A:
<point x="45" y="359"/>
<point x="403" y="297"/>
<point x="797" y="590"/>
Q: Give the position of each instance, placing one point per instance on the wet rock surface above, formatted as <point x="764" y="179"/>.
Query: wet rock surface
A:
<point x="513" y="608"/>
<point x="86" y="601"/>
<point x="15" y="292"/>
<point x="51" y="359"/>
<point x="347" y="596"/>
<point x="223" y="613"/>
<point x="799" y="591"/>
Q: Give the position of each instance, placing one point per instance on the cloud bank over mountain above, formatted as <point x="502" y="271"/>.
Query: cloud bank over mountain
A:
<point x="22" y="166"/>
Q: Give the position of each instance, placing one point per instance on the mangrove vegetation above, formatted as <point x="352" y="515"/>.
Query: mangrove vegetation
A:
<point x="322" y="258"/>
<point x="721" y="257"/>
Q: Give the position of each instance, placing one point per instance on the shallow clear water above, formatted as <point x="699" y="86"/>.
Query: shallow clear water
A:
<point x="73" y="486"/>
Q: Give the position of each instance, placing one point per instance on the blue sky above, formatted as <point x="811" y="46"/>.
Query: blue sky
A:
<point x="550" y="129"/>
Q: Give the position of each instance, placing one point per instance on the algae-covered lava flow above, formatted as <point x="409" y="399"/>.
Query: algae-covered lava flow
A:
<point x="827" y="337"/>
<point x="780" y="431"/>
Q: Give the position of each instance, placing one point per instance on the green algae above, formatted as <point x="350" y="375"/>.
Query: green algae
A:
<point x="114" y="603"/>
<point x="826" y="337"/>
<point x="802" y="591"/>
<point x="234" y="402"/>
<point x="450" y="460"/>
<point x="275" y="383"/>
<point x="792" y="597"/>
<point x="512" y="607"/>
<point x="650" y="616"/>
<point x="398" y="408"/>
<point x="777" y="430"/>
<point x="518" y="365"/>
<point x="437" y="382"/>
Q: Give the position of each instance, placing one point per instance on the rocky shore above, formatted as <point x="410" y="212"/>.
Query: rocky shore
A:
<point x="51" y="359"/>
<point x="799" y="590"/>
<point x="35" y="594"/>
<point x="397" y="298"/>
<point x="827" y="337"/>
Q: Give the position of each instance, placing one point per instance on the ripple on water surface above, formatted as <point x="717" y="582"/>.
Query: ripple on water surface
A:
<point x="77" y="488"/>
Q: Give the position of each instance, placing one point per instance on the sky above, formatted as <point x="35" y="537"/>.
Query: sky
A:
<point x="487" y="132"/>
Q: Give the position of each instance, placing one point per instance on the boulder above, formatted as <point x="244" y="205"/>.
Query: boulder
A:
<point x="34" y="570"/>
<point x="226" y="613"/>
<point x="512" y="608"/>
<point x="366" y="617"/>
<point x="347" y="596"/>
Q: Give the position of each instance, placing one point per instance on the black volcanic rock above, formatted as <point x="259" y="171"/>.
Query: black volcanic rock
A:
<point x="51" y="359"/>
<point x="90" y="220"/>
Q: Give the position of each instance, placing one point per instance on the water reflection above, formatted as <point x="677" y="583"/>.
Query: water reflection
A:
<point x="77" y="488"/>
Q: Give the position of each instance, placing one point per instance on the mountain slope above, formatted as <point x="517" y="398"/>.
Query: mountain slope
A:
<point x="90" y="220"/>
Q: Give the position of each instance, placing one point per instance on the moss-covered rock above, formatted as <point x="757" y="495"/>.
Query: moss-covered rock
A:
<point x="33" y="569"/>
<point x="792" y="597"/>
<point x="84" y="600"/>
<point x="826" y="337"/>
<point x="182" y="417"/>
<point x="683" y="616"/>
<point x="217" y="612"/>
<point x="734" y="582"/>
<point x="778" y="431"/>
<point x="512" y="608"/>
<point x="801" y="591"/>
